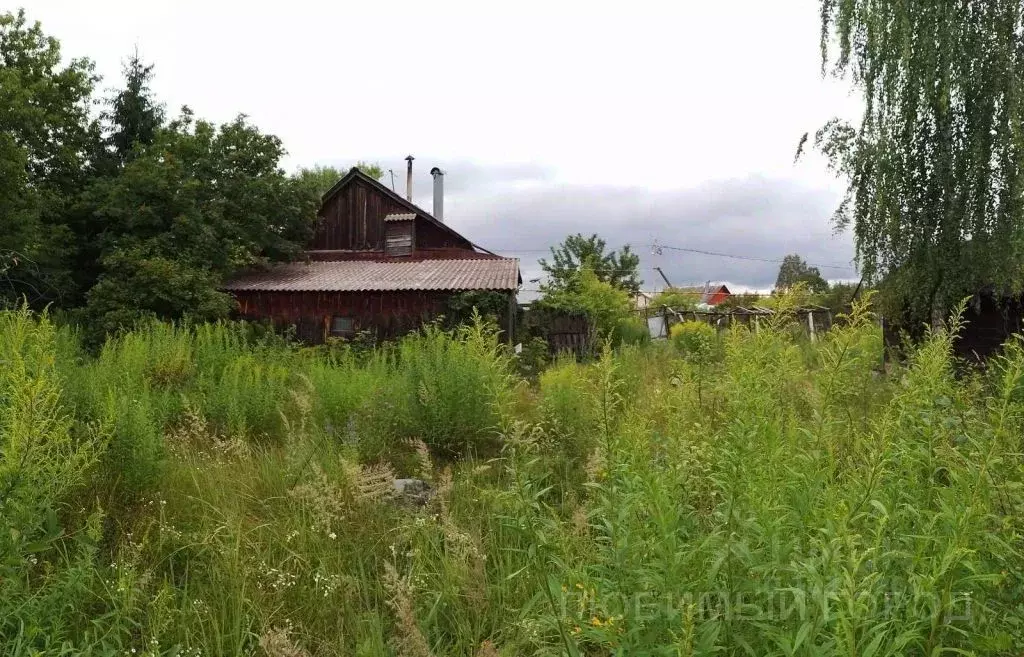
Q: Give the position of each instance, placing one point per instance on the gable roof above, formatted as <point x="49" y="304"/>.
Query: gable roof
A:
<point x="356" y="174"/>
<point x="699" y="289"/>
<point x="377" y="276"/>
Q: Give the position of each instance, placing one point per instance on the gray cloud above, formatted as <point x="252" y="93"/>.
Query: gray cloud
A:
<point x="522" y="209"/>
<point x="461" y="176"/>
<point x="755" y="216"/>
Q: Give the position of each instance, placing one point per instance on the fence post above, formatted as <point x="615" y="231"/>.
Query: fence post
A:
<point x="810" y="324"/>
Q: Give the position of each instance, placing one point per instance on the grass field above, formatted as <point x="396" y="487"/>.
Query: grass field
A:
<point x="199" y="491"/>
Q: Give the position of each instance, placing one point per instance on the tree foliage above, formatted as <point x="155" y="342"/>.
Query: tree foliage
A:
<point x="676" y="298"/>
<point x="200" y="203"/>
<point x="795" y="270"/>
<point x="840" y="295"/>
<point x="619" y="269"/>
<point x="322" y="178"/>
<point x="127" y="216"/>
<point x="605" y="304"/>
<point x="740" y="300"/>
<point x="934" y="166"/>
<point x="134" y="115"/>
<point x="46" y="137"/>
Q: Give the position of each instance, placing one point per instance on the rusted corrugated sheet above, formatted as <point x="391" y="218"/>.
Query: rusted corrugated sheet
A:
<point x="365" y="276"/>
<point x="419" y="253"/>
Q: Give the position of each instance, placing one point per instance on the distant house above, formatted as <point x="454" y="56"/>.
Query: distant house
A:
<point x="707" y="295"/>
<point x="643" y="299"/>
<point x="376" y="262"/>
<point x="711" y="295"/>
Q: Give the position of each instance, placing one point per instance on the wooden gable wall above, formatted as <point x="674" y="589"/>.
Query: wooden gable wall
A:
<point x="429" y="236"/>
<point x="353" y="220"/>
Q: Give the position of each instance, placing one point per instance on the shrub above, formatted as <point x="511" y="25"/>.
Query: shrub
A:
<point x="534" y="357"/>
<point x="631" y="330"/>
<point x="605" y="304"/>
<point x="451" y="388"/>
<point x="568" y="411"/>
<point x="676" y="298"/>
<point x="696" y="340"/>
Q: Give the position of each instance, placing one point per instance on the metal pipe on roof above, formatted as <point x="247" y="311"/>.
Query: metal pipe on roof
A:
<point x="438" y="193"/>
<point x="408" y="178"/>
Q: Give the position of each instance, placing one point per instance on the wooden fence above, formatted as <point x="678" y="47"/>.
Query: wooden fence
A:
<point x="813" y="319"/>
<point x="563" y="331"/>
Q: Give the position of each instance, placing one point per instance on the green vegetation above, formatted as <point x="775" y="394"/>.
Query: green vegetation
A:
<point x="695" y="340"/>
<point x="795" y="271"/>
<point x="128" y="216"/>
<point x="677" y="299"/>
<point x="322" y="178"/>
<point x="620" y="269"/>
<point x="206" y="491"/>
<point x="934" y="165"/>
<point x="605" y="304"/>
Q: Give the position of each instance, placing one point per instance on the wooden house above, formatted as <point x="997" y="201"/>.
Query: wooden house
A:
<point x="376" y="262"/>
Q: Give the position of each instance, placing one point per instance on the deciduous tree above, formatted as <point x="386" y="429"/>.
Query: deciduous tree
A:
<point x="620" y="269"/>
<point x="322" y="178"/>
<point x="795" y="270"/>
<point x="605" y="304"/>
<point x="46" y="136"/>
<point x="936" y="183"/>
<point x="200" y="203"/>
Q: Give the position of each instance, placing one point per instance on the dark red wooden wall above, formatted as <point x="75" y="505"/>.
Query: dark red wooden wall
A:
<point x="388" y="314"/>
<point x="353" y="219"/>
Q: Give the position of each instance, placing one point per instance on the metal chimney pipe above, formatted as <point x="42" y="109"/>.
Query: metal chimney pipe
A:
<point x="408" y="178"/>
<point x="438" y="193"/>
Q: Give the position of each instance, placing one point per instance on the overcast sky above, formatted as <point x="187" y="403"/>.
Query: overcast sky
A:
<point x="670" y="122"/>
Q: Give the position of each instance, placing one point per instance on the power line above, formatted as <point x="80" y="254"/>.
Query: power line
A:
<point x="743" y="257"/>
<point x="718" y="254"/>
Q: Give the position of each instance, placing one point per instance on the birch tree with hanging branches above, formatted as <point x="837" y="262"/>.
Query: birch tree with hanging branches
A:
<point x="934" y="166"/>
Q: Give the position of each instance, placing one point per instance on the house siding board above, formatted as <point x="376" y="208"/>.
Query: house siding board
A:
<point x="429" y="236"/>
<point x="353" y="219"/>
<point x="387" y="314"/>
<point x="398" y="240"/>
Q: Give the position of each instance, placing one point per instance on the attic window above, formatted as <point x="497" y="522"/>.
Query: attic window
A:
<point x="342" y="326"/>
<point x="398" y="238"/>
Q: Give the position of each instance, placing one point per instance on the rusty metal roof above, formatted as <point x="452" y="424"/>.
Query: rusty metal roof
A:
<point x="367" y="276"/>
<point x="400" y="216"/>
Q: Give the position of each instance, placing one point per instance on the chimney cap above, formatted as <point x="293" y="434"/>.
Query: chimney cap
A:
<point x="436" y="171"/>
<point x="410" y="158"/>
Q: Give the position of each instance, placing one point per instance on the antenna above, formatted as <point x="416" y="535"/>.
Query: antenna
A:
<point x="392" y="172"/>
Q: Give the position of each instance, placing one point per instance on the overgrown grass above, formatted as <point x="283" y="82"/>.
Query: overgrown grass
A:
<point x="197" y="491"/>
